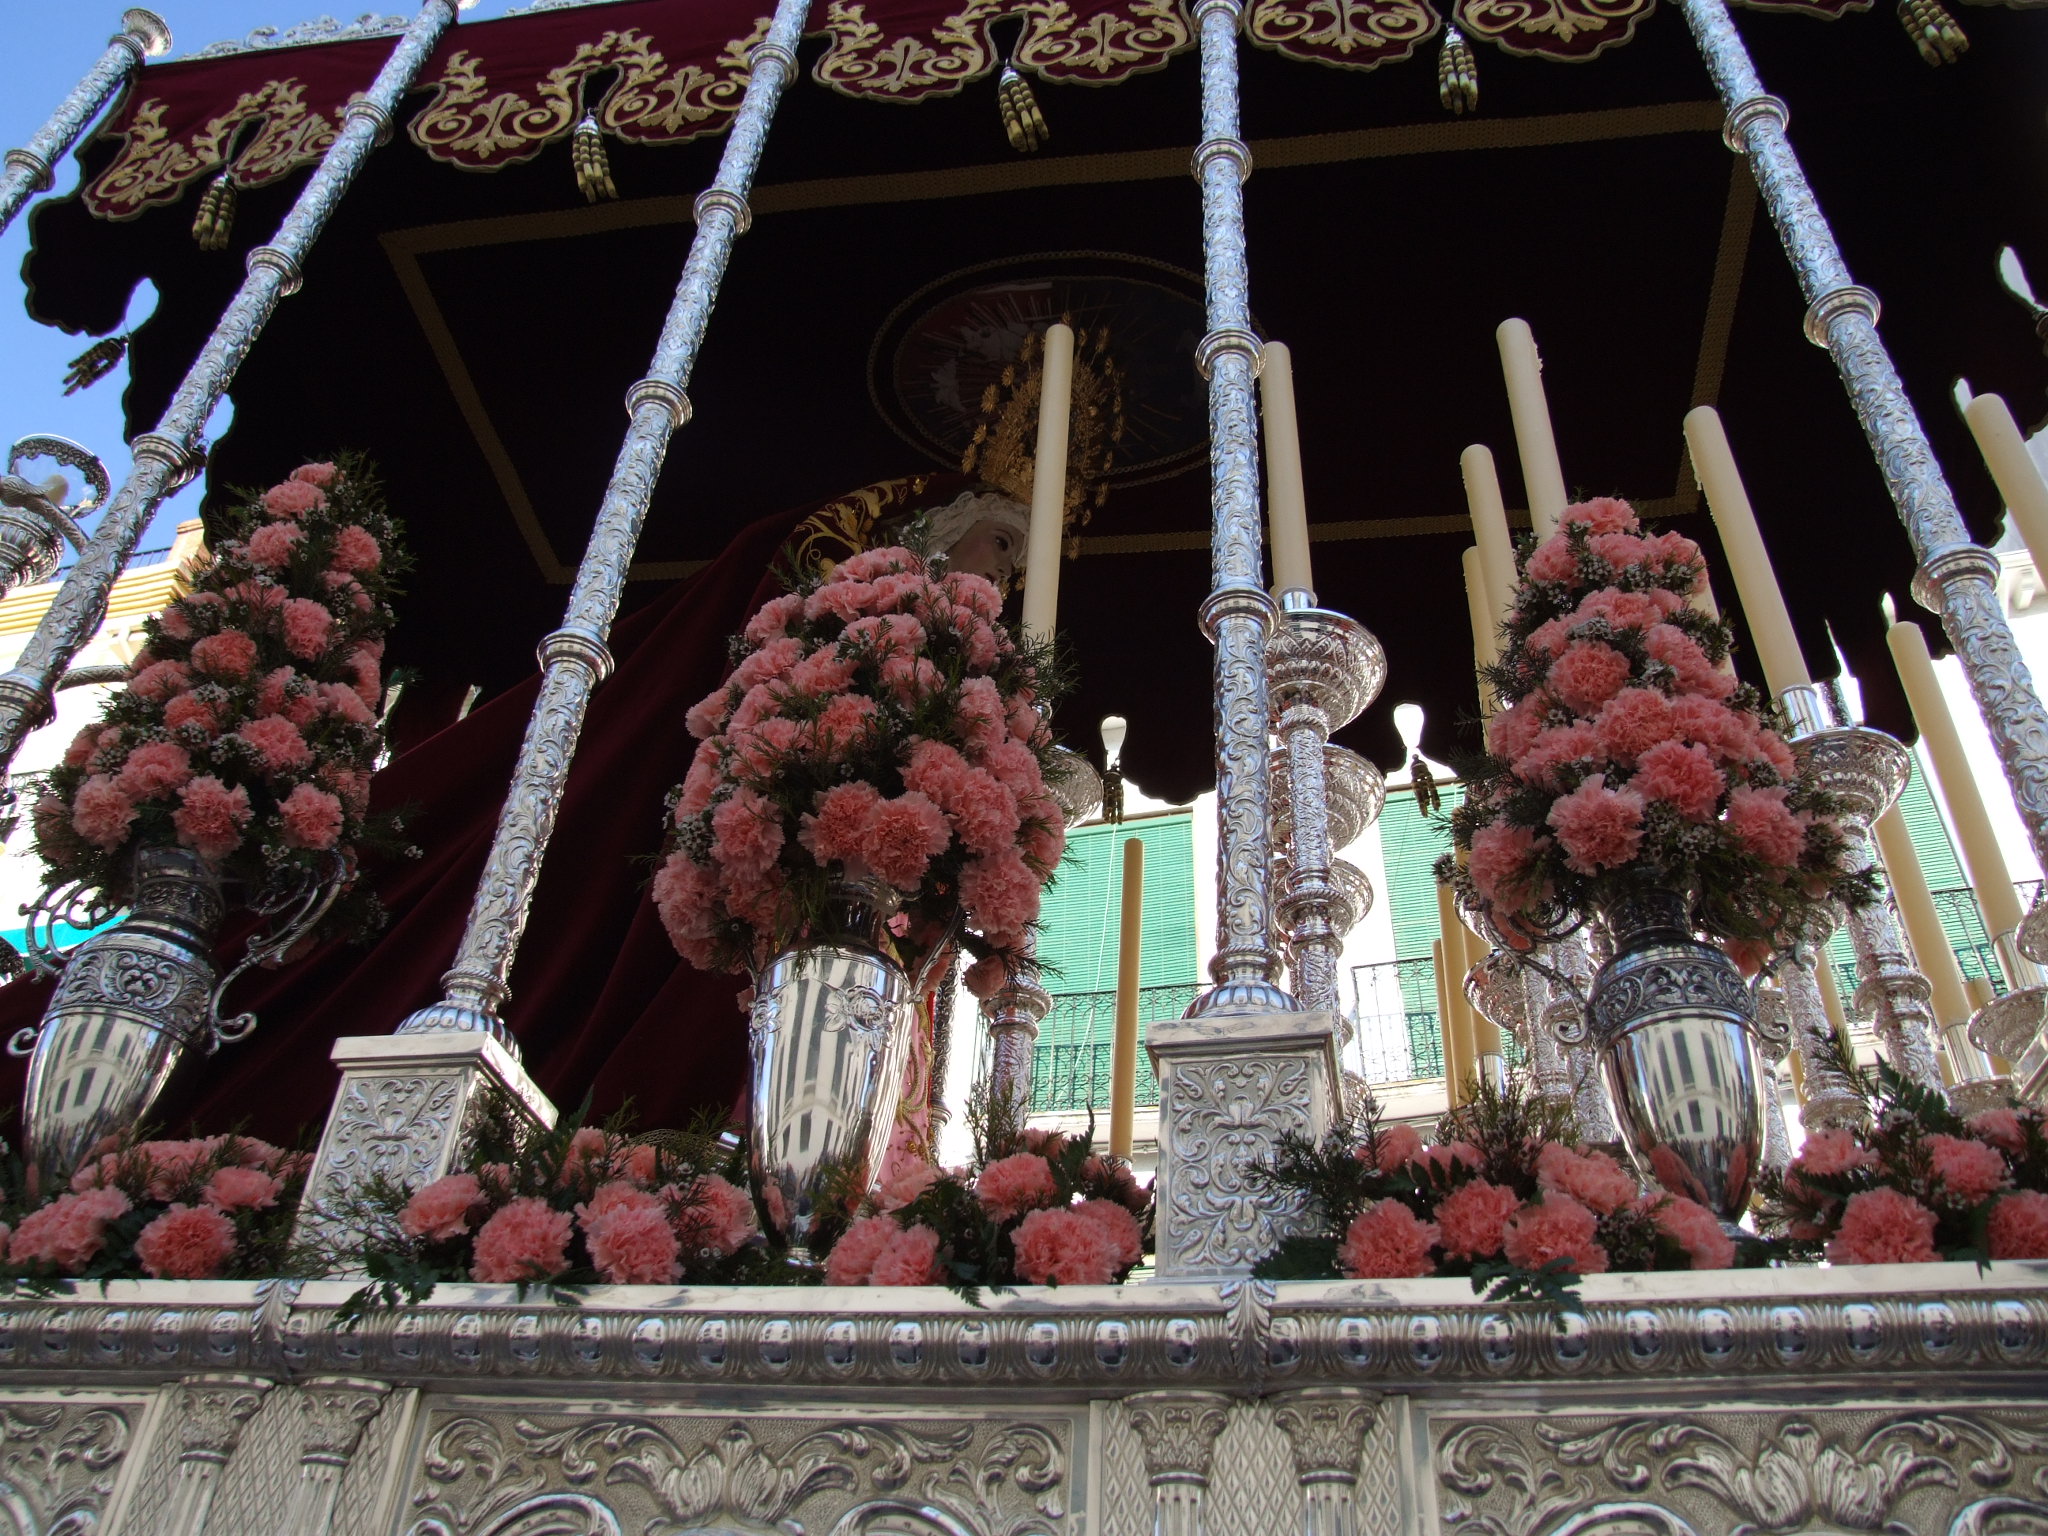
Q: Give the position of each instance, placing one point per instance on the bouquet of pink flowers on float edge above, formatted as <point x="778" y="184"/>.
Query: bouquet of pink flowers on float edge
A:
<point x="217" y="1207"/>
<point x="1037" y="1208"/>
<point x="1505" y="1194"/>
<point x="883" y="721"/>
<point x="1919" y="1183"/>
<point x="1626" y="748"/>
<point x="248" y="730"/>
<point x="573" y="1206"/>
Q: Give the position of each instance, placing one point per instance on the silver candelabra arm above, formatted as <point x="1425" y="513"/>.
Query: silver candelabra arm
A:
<point x="295" y="904"/>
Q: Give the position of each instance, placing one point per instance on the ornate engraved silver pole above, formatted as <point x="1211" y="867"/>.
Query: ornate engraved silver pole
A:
<point x="1829" y="1102"/>
<point x="33" y="167"/>
<point x="1237" y="613"/>
<point x="168" y="457"/>
<point x="1957" y="578"/>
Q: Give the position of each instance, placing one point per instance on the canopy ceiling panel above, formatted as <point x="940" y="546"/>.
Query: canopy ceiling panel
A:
<point x="476" y="332"/>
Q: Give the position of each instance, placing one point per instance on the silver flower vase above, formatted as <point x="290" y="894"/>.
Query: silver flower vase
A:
<point x="829" y="1030"/>
<point x="1677" y="1030"/>
<point x="128" y="1004"/>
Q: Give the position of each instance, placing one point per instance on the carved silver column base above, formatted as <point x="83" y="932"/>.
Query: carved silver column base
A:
<point x="336" y="1410"/>
<point x="1228" y="1090"/>
<point x="1179" y="1431"/>
<point x="213" y="1410"/>
<point x="1326" y="1429"/>
<point x="1829" y="1102"/>
<point x="2010" y="1026"/>
<point x="404" y="1108"/>
<point x="1013" y="1016"/>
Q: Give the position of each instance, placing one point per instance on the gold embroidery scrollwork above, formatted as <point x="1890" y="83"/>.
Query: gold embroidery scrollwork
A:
<point x="1570" y="30"/>
<point x="1351" y="34"/>
<point x="1099" y="45"/>
<point x="865" y="60"/>
<point x="154" y="168"/>
<point x="656" y="106"/>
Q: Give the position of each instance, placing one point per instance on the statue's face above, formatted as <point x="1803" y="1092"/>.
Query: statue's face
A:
<point x="988" y="549"/>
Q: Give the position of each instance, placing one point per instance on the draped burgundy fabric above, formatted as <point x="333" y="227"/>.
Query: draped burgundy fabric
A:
<point x="601" y="1003"/>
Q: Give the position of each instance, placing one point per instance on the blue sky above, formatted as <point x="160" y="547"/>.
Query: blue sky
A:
<point x="48" y="47"/>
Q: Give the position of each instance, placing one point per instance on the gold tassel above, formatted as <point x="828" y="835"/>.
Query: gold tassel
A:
<point x="216" y="218"/>
<point x="95" y="363"/>
<point x="593" y="171"/>
<point x="1022" y="120"/>
<point x="1457" y="74"/>
<point x="1933" y="30"/>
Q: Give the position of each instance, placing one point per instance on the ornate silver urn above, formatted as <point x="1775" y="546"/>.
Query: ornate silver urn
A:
<point x="829" y="1029"/>
<point x="128" y="1003"/>
<point x="1677" y="1031"/>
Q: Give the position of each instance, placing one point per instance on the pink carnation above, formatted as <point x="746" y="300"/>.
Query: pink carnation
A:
<point x="2019" y="1226"/>
<point x="1832" y="1152"/>
<point x="1553" y="560"/>
<point x="838" y="830"/>
<point x="355" y="549"/>
<point x="985" y="978"/>
<point x="759" y="751"/>
<point x="910" y="678"/>
<point x="160" y="680"/>
<point x="983" y="812"/>
<point x="1396" y="1147"/>
<point x="746" y="834"/>
<point x="271" y="545"/>
<point x="1472" y="1219"/>
<point x="1730" y="736"/>
<point x="1683" y="777"/>
<point x="1882" y="1226"/>
<point x="2003" y="1128"/>
<point x="684" y="893"/>
<point x="1695" y="1229"/>
<point x="210" y="817"/>
<point x="1012" y="1185"/>
<point x="1602" y="514"/>
<point x="1770" y="747"/>
<point x="1388" y="1241"/>
<point x="1001" y="894"/>
<point x="1632" y="722"/>
<point x="825" y="672"/>
<point x="1558" y="1227"/>
<point x="899" y="1190"/>
<point x="773" y="620"/>
<point x="1619" y="550"/>
<point x="82" y="746"/>
<point x="1515" y="730"/>
<point x="1593" y="1179"/>
<point x="1764" y="827"/>
<point x="242" y="1189"/>
<point x="1115" y="1218"/>
<point x="1968" y="1169"/>
<point x="887" y="560"/>
<point x="912" y="1258"/>
<point x="525" y="1240"/>
<point x="845" y="722"/>
<point x="1445" y="1158"/>
<point x="101" y="812"/>
<point x="1557" y="748"/>
<point x="316" y="474"/>
<point x="344" y="703"/>
<point x="311" y="817"/>
<point x="720" y="1217"/>
<point x="1548" y="640"/>
<point x="1587" y="675"/>
<point x="839" y="598"/>
<point x="1064" y="1247"/>
<point x="708" y="714"/>
<point x="189" y="709"/>
<point x="277" y="742"/>
<point x="1695" y="674"/>
<point x="852" y="1259"/>
<point x="770" y="662"/>
<point x="228" y="654"/>
<point x="631" y="1241"/>
<point x="980" y="720"/>
<point x="1503" y="864"/>
<point x="902" y="837"/>
<point x="186" y="1243"/>
<point x="1598" y="828"/>
<point x="175" y="622"/>
<point x="69" y="1231"/>
<point x="1621" y="610"/>
<point x="294" y="498"/>
<point x="441" y="1210"/>
<point x="307" y="628"/>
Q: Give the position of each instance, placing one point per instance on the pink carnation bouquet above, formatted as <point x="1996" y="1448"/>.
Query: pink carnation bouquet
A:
<point x="1504" y="1194"/>
<point x="882" y="722"/>
<point x="1625" y="749"/>
<point x="1037" y="1208"/>
<point x="210" y="1208"/>
<point x="249" y="728"/>
<point x="1916" y="1183"/>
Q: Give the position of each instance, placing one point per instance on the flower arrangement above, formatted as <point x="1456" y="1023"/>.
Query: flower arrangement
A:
<point x="882" y="721"/>
<point x="217" y="1207"/>
<point x="1625" y="749"/>
<point x="248" y="730"/>
<point x="1505" y="1194"/>
<point x="1920" y="1183"/>
<point x="1037" y="1208"/>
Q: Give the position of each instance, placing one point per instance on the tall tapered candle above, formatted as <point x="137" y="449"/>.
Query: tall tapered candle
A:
<point x="1049" y="485"/>
<point x="1831" y="1004"/>
<point x="1989" y="877"/>
<point x="2019" y="481"/>
<point x="1535" y="443"/>
<point x="1459" y="1062"/>
<point x="1924" y="930"/>
<point x="1763" y="604"/>
<point x="1485" y="1033"/>
<point x="1286" y="498"/>
<point x="1490" y="527"/>
<point x="1123" y="1054"/>
<point x="1447" y="1027"/>
<point x="1485" y="651"/>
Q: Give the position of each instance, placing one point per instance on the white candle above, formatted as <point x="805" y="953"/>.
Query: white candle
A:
<point x="1542" y="474"/>
<point x="2019" y="481"/>
<point x="1490" y="527"/>
<point x="1763" y="603"/>
<point x="1286" y="498"/>
<point x="1049" y="486"/>
<point x="1485" y="650"/>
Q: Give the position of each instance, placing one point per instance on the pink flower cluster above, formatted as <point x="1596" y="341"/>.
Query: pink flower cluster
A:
<point x="248" y="729"/>
<point x="881" y="724"/>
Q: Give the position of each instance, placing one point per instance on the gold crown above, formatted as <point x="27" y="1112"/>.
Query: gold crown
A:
<point x="1004" y="450"/>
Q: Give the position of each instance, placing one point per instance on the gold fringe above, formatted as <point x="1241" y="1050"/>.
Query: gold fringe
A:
<point x="215" y="220"/>
<point x="1022" y="120"/>
<point x="1457" y="74"/>
<point x="1933" y="30"/>
<point x="593" y="169"/>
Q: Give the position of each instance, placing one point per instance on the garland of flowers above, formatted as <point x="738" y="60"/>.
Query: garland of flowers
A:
<point x="219" y="1207"/>
<point x="1627" y="750"/>
<point x="882" y="721"/>
<point x="248" y="729"/>
<point x="1506" y="1194"/>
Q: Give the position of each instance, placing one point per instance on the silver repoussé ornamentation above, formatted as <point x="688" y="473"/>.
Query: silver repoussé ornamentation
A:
<point x="1228" y="1113"/>
<point x="31" y="169"/>
<point x="1326" y="1429"/>
<point x="212" y="1411"/>
<point x="1957" y="579"/>
<point x="334" y="1412"/>
<point x="58" y="1462"/>
<point x="322" y="29"/>
<point x="1828" y="1099"/>
<point x="397" y="1127"/>
<point x="35" y="520"/>
<point x="1178" y="1431"/>
<point x="170" y="456"/>
<point x="574" y="659"/>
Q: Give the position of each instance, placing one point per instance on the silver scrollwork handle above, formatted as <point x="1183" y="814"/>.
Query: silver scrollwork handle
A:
<point x="23" y="1041"/>
<point x="297" y="908"/>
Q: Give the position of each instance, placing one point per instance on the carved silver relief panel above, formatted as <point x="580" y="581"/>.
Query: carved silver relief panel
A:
<point x="1909" y="1470"/>
<point x="61" y="1455"/>
<point x="485" y="1468"/>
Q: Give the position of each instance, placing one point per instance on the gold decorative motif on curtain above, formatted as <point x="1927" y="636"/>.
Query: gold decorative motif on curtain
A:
<point x="1061" y="44"/>
<point x="847" y="526"/>
<point x="1352" y="34"/>
<point x="1093" y="42"/>
<point x="154" y="167"/>
<point x="1569" y="30"/>
<point x="865" y="60"/>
